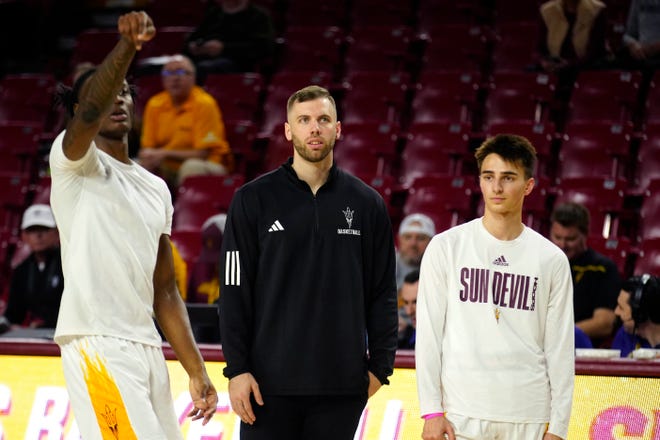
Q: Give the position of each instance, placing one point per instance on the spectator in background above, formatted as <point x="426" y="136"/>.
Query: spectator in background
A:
<point x="638" y="308"/>
<point x="183" y="132"/>
<point x="415" y="233"/>
<point x="37" y="282"/>
<point x="408" y="319"/>
<point x="596" y="280"/>
<point x="582" y="340"/>
<point x="204" y="285"/>
<point x="642" y="36"/>
<point x="234" y="36"/>
<point x="572" y="34"/>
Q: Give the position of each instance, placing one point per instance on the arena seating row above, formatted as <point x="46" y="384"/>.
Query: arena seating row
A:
<point x="418" y="85"/>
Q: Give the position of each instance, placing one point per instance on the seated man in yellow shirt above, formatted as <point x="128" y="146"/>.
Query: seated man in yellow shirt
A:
<point x="183" y="132"/>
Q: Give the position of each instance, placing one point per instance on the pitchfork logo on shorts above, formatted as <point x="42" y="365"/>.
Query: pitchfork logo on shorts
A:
<point x="348" y="215"/>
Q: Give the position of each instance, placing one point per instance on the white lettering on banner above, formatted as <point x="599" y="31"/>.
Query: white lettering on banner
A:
<point x="389" y="429"/>
<point x="5" y="399"/>
<point x="49" y="413"/>
<point x="236" y="435"/>
<point x="391" y="425"/>
<point x="74" y="432"/>
<point x="5" y="405"/>
<point x="182" y="406"/>
<point x="212" y="430"/>
<point x="359" y="432"/>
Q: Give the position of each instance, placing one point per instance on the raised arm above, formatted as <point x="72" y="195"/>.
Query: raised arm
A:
<point x="100" y="90"/>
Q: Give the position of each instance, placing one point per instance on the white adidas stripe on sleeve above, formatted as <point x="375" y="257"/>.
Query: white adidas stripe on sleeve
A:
<point x="232" y="269"/>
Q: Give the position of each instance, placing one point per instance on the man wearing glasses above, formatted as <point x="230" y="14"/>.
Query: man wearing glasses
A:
<point x="183" y="132"/>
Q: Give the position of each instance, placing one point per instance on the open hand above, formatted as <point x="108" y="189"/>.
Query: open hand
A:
<point x="240" y="388"/>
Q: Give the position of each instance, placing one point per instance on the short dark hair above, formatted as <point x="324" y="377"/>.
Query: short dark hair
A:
<point x="644" y="298"/>
<point x="512" y="148"/>
<point x="411" y="277"/>
<point x="571" y="214"/>
<point x="310" y="93"/>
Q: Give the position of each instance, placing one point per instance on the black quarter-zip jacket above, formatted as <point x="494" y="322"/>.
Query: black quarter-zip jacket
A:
<point x="308" y="290"/>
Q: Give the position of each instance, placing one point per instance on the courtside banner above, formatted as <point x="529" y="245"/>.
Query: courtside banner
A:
<point x="34" y="405"/>
<point x="616" y="408"/>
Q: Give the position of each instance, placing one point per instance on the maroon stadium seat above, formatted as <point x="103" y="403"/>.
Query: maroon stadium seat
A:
<point x="238" y="94"/>
<point x="27" y="97"/>
<point x="176" y="13"/>
<point x="604" y="198"/>
<point x="605" y="95"/>
<point x="378" y="48"/>
<point x="308" y="47"/>
<point x="442" y="52"/>
<point x="170" y="41"/>
<point x="92" y="45"/>
<point x="278" y="150"/>
<point x="519" y="96"/>
<point x="377" y="137"/>
<point x="146" y="86"/>
<point x="649" y="214"/>
<point x="325" y="13"/>
<point x="283" y="85"/>
<point x="443" y="198"/>
<point x="432" y="12"/>
<point x="15" y="187"/>
<point x="380" y="13"/>
<point x="434" y="148"/>
<point x="652" y="110"/>
<point x="648" y="258"/>
<point x="241" y="136"/>
<point x="647" y="165"/>
<point x="596" y="148"/>
<point x="374" y="96"/>
<point x="516" y="44"/>
<point x="200" y="197"/>
<point x="617" y="249"/>
<point x="189" y="244"/>
<point x="445" y="96"/>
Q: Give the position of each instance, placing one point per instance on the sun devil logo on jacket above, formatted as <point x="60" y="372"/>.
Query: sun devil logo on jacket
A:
<point x="348" y="215"/>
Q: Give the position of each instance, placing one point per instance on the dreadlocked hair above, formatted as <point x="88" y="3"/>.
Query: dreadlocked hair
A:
<point x="67" y="97"/>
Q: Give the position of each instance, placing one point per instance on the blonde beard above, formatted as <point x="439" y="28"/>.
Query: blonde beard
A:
<point x="309" y="156"/>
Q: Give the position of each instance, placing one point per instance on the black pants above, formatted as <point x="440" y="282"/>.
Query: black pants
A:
<point x="305" y="418"/>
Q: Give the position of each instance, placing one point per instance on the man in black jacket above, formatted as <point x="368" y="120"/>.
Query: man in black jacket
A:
<point x="308" y="310"/>
<point x="37" y="282"/>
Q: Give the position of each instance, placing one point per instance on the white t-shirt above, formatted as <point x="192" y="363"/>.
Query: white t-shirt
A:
<point x="111" y="216"/>
<point x="495" y="328"/>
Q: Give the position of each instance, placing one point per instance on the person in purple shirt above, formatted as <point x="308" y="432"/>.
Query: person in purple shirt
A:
<point x="582" y="340"/>
<point x="638" y="308"/>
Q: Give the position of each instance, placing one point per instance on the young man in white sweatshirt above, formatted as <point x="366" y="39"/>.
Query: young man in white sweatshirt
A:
<point x="495" y="349"/>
